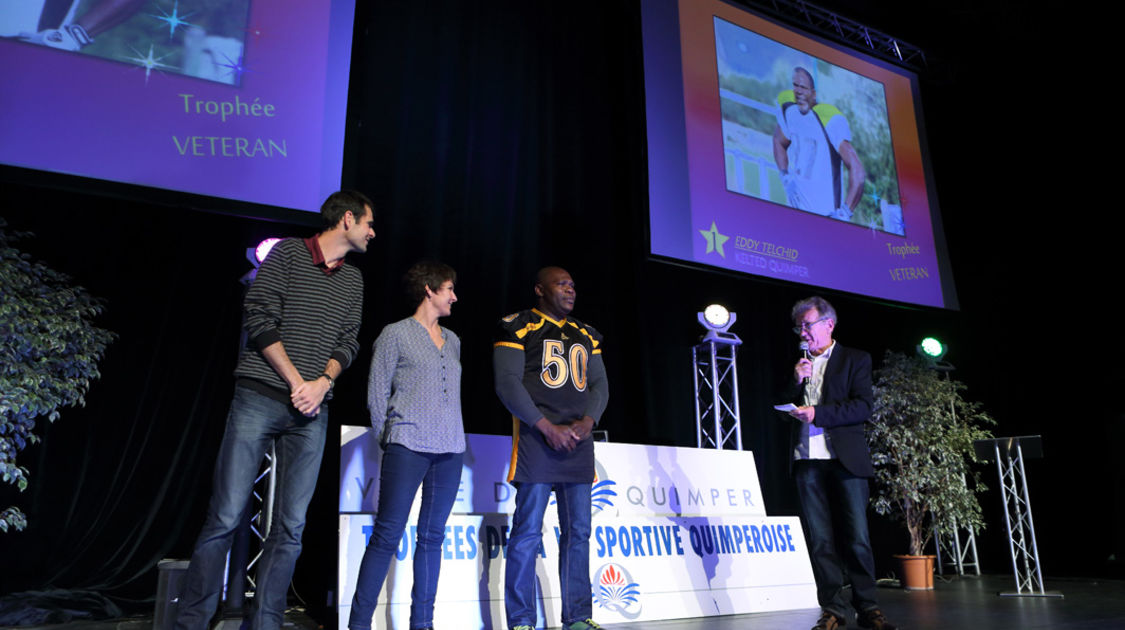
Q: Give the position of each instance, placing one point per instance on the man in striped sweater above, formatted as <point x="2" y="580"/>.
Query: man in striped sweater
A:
<point x="302" y="314"/>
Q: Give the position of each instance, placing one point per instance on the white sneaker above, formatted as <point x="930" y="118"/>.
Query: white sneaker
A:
<point x="70" y="37"/>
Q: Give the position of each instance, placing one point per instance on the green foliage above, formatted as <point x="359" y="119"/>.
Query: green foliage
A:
<point x="921" y="439"/>
<point x="49" y="351"/>
<point x="12" y="518"/>
<point x="755" y="90"/>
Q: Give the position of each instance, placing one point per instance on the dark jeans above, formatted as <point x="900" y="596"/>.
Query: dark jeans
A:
<point x="402" y="471"/>
<point x="255" y="421"/>
<point x="828" y="491"/>
<point x="573" y="501"/>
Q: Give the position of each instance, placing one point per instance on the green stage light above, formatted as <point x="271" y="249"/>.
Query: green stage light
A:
<point x="932" y="349"/>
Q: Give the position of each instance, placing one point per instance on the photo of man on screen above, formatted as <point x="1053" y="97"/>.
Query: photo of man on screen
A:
<point x="805" y="133"/>
<point x="811" y="143"/>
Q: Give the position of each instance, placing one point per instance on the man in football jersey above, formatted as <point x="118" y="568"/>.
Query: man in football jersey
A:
<point x="810" y="142"/>
<point x="550" y="375"/>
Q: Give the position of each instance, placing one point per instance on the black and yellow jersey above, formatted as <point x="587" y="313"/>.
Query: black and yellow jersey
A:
<point x="556" y="357"/>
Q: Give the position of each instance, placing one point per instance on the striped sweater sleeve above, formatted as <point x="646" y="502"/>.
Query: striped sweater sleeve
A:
<point x="266" y="298"/>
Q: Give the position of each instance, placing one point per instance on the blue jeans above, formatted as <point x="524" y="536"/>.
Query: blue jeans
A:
<point x="403" y="470"/>
<point x="826" y="490"/>
<point x="573" y="501"/>
<point x="255" y="421"/>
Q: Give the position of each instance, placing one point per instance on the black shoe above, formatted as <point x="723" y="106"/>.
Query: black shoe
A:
<point x="830" y="621"/>
<point x="875" y="618"/>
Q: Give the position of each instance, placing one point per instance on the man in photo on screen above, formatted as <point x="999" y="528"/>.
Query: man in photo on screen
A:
<point x="811" y="142"/>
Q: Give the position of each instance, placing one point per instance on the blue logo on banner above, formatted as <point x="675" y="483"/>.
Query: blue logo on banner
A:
<point x="601" y="493"/>
<point x="615" y="590"/>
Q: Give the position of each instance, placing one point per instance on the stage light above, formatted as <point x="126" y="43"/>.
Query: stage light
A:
<point x="931" y="348"/>
<point x="717" y="320"/>
<point x="716" y="315"/>
<point x="264" y="248"/>
<point x="717" y="420"/>
<point x="933" y="351"/>
<point x="256" y="255"/>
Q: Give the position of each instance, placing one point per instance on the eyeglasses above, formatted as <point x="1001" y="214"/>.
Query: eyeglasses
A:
<point x="808" y="325"/>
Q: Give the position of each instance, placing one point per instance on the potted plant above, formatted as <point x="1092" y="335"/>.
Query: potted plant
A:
<point x="921" y="440"/>
<point x="49" y="353"/>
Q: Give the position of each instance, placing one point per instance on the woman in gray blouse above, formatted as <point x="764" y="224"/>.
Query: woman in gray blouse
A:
<point x="414" y="396"/>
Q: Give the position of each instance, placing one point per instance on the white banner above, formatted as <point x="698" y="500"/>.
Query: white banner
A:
<point x="677" y="532"/>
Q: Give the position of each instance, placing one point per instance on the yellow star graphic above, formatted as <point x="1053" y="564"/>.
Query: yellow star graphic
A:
<point x="715" y="240"/>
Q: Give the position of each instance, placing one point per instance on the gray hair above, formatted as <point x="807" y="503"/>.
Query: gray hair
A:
<point x="820" y="304"/>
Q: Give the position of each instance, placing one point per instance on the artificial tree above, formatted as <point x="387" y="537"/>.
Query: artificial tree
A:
<point x="49" y="353"/>
<point x="921" y="440"/>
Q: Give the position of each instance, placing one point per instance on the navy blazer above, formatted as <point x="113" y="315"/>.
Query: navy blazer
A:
<point x="845" y="405"/>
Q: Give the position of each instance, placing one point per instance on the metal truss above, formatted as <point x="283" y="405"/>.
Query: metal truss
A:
<point x="262" y="500"/>
<point x="717" y="421"/>
<point x="834" y="26"/>
<point x="950" y="552"/>
<point x="1009" y="454"/>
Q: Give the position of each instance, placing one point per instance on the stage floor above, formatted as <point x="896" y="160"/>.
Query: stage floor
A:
<point x="958" y="604"/>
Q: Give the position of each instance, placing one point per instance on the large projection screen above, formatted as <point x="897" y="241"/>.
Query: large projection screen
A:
<point x="776" y="154"/>
<point x="242" y="100"/>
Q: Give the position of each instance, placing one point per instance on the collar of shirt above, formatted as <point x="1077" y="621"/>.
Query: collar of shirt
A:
<point x="556" y="322"/>
<point x="313" y="245"/>
<point x="824" y="356"/>
<point x="425" y="331"/>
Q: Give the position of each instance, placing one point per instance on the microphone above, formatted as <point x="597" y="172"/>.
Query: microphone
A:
<point x="805" y="349"/>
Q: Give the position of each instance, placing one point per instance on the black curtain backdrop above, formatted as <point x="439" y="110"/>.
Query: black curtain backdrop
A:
<point x="503" y="136"/>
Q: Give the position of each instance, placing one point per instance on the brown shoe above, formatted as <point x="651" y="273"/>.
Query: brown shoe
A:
<point x="875" y="618"/>
<point x="830" y="621"/>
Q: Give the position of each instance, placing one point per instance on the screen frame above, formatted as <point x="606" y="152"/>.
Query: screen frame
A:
<point x="669" y="182"/>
